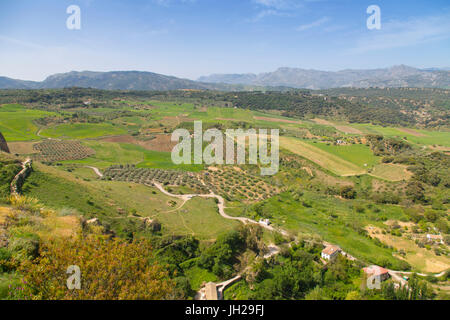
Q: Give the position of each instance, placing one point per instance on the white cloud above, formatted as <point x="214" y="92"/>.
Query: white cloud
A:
<point x="314" y="24"/>
<point x="269" y="8"/>
<point x="279" y="4"/>
<point x="397" y="34"/>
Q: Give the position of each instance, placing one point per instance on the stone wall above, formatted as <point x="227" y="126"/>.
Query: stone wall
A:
<point x="19" y="179"/>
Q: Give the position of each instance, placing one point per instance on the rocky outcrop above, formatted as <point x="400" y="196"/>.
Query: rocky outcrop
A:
<point x="3" y="144"/>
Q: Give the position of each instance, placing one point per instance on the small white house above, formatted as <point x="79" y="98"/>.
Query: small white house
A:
<point x="330" y="252"/>
<point x="265" y="222"/>
<point x="435" y="238"/>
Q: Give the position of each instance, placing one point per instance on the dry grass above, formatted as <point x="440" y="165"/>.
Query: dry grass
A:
<point x="277" y="120"/>
<point x="420" y="258"/>
<point x="342" y="128"/>
<point x="59" y="227"/>
<point x="22" y="147"/>
<point x="4" y="212"/>
<point x="347" y="129"/>
<point x="161" y="142"/>
<point x="412" y="132"/>
<point x="391" y="172"/>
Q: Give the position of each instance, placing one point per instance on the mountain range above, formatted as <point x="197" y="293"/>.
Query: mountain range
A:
<point x="397" y="76"/>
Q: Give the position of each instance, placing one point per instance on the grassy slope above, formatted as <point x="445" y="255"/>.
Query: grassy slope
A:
<point x="355" y="153"/>
<point x="426" y="137"/>
<point x="16" y="122"/>
<point x="110" y="153"/>
<point x="323" y="158"/>
<point x="198" y="217"/>
<point x="391" y="172"/>
<point x="63" y="190"/>
<point x="335" y="220"/>
<point x="82" y="130"/>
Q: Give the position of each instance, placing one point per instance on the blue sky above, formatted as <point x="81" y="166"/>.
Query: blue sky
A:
<point x="190" y="38"/>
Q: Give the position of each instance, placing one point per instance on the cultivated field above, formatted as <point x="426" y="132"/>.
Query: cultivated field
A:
<point x="332" y="162"/>
<point x="391" y="172"/>
<point x="82" y="130"/>
<point x="16" y="122"/>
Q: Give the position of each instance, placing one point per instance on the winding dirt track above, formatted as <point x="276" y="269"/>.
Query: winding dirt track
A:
<point x="97" y="172"/>
<point x="220" y="205"/>
<point x="273" y="250"/>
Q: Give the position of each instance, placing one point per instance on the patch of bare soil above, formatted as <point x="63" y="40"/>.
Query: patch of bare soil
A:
<point x="227" y="119"/>
<point x="175" y="121"/>
<point x="332" y="181"/>
<point x="347" y="129"/>
<point x="378" y="185"/>
<point x="22" y="147"/>
<point x="437" y="148"/>
<point x="277" y="120"/>
<point x="309" y="171"/>
<point x="161" y="142"/>
<point x="411" y="132"/>
<point x="342" y="128"/>
<point x="323" y="122"/>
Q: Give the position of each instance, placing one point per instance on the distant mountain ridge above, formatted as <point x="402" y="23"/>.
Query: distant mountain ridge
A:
<point x="396" y="76"/>
<point x="281" y="79"/>
<point x="114" y="80"/>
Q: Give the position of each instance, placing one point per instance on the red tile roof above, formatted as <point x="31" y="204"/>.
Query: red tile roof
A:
<point x="375" y="270"/>
<point x="330" y="250"/>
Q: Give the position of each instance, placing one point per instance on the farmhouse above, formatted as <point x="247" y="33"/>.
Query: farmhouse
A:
<point x="435" y="238"/>
<point x="265" y="222"/>
<point x="376" y="271"/>
<point x="330" y="252"/>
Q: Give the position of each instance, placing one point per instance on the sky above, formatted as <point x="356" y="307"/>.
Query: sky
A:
<point x="192" y="38"/>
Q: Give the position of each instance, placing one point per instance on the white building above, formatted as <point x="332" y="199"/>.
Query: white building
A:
<point x="330" y="252"/>
<point x="435" y="238"/>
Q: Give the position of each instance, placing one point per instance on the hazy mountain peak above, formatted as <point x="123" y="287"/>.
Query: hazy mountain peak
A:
<point x="395" y="76"/>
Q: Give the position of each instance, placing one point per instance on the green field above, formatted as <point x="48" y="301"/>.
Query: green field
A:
<point x="423" y="137"/>
<point x="82" y="130"/>
<point x="111" y="153"/>
<point x="110" y="199"/>
<point x="358" y="154"/>
<point x="16" y="122"/>
<point x="335" y="221"/>
<point x="198" y="217"/>
<point x="329" y="157"/>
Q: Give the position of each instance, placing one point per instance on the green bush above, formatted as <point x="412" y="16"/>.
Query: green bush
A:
<point x="24" y="248"/>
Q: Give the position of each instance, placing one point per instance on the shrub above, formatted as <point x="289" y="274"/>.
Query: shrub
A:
<point x="24" y="248"/>
<point x="110" y="269"/>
